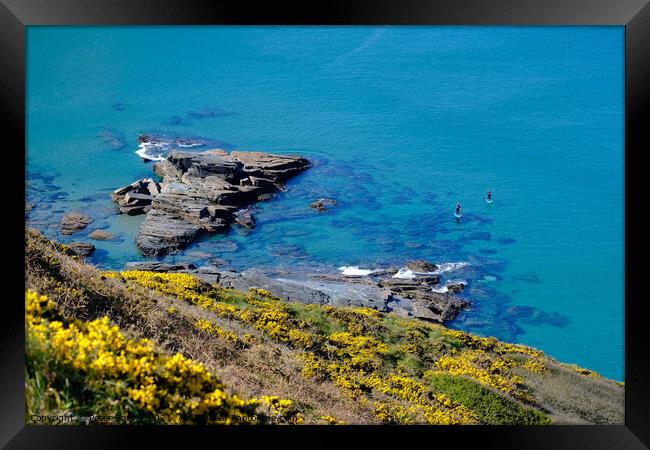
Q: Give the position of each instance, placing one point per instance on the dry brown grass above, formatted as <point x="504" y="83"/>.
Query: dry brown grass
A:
<point x="571" y="398"/>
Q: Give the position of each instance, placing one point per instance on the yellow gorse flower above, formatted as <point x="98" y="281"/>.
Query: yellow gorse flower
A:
<point x="476" y="365"/>
<point x="168" y="386"/>
<point x="212" y="328"/>
<point x="350" y="359"/>
<point x="351" y="355"/>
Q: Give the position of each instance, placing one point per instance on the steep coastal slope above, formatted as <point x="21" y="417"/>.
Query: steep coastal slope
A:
<point x="250" y="355"/>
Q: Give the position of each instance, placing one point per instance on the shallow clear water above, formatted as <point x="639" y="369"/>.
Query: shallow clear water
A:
<point x="401" y="123"/>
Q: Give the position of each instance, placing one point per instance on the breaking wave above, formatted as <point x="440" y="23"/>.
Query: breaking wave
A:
<point x="355" y="271"/>
<point x="449" y="267"/>
<point x="155" y="149"/>
<point x="441" y="289"/>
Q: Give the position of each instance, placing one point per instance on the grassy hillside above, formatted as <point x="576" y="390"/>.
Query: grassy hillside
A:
<point x="170" y="348"/>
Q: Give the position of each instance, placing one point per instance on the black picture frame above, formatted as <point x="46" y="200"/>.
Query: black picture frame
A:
<point x="15" y="15"/>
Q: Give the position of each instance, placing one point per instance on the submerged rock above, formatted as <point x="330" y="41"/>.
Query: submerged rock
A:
<point x="101" y="235"/>
<point x="216" y="262"/>
<point x="197" y="254"/>
<point x="322" y="203"/>
<point x="224" y="246"/>
<point x="290" y="251"/>
<point x="529" y="277"/>
<point x="154" y="266"/>
<point x="73" y="222"/>
<point x="202" y="192"/>
<point x="81" y="248"/>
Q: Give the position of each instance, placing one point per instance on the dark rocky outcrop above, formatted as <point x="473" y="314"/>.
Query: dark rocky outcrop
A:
<point x="136" y="197"/>
<point x="389" y="271"/>
<point x="162" y="232"/>
<point x="417" y="301"/>
<point x="420" y="265"/>
<point x="403" y="285"/>
<point x="455" y="287"/>
<point x="264" y="197"/>
<point x="426" y="304"/>
<point x="245" y="218"/>
<point x="73" y="222"/>
<point x="407" y="298"/>
<point x="322" y="204"/>
<point x="82" y="249"/>
<point x="202" y="192"/>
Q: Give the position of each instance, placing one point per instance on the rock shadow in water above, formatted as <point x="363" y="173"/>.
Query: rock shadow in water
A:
<point x="112" y="138"/>
<point x="476" y="236"/>
<point x="291" y="251"/>
<point x="471" y="217"/>
<point x="534" y="316"/>
<point x="173" y="121"/>
<point x="528" y="277"/>
<point x="218" y="246"/>
<point x="172" y="139"/>
<point x="404" y="196"/>
<point x="209" y="113"/>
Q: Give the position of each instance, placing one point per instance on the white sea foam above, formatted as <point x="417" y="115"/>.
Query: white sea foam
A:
<point x="157" y="150"/>
<point x="408" y="274"/>
<point x="405" y="274"/>
<point x="153" y="151"/>
<point x="449" y="267"/>
<point x="441" y="289"/>
<point x="355" y="271"/>
<point x="189" y="144"/>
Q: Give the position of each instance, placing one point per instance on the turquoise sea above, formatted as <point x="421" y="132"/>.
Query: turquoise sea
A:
<point x="400" y="122"/>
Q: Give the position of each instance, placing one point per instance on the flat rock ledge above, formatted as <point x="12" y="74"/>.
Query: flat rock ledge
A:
<point x="202" y="192"/>
<point x="406" y="298"/>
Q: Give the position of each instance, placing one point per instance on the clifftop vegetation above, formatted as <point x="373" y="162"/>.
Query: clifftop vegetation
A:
<point x="170" y="348"/>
